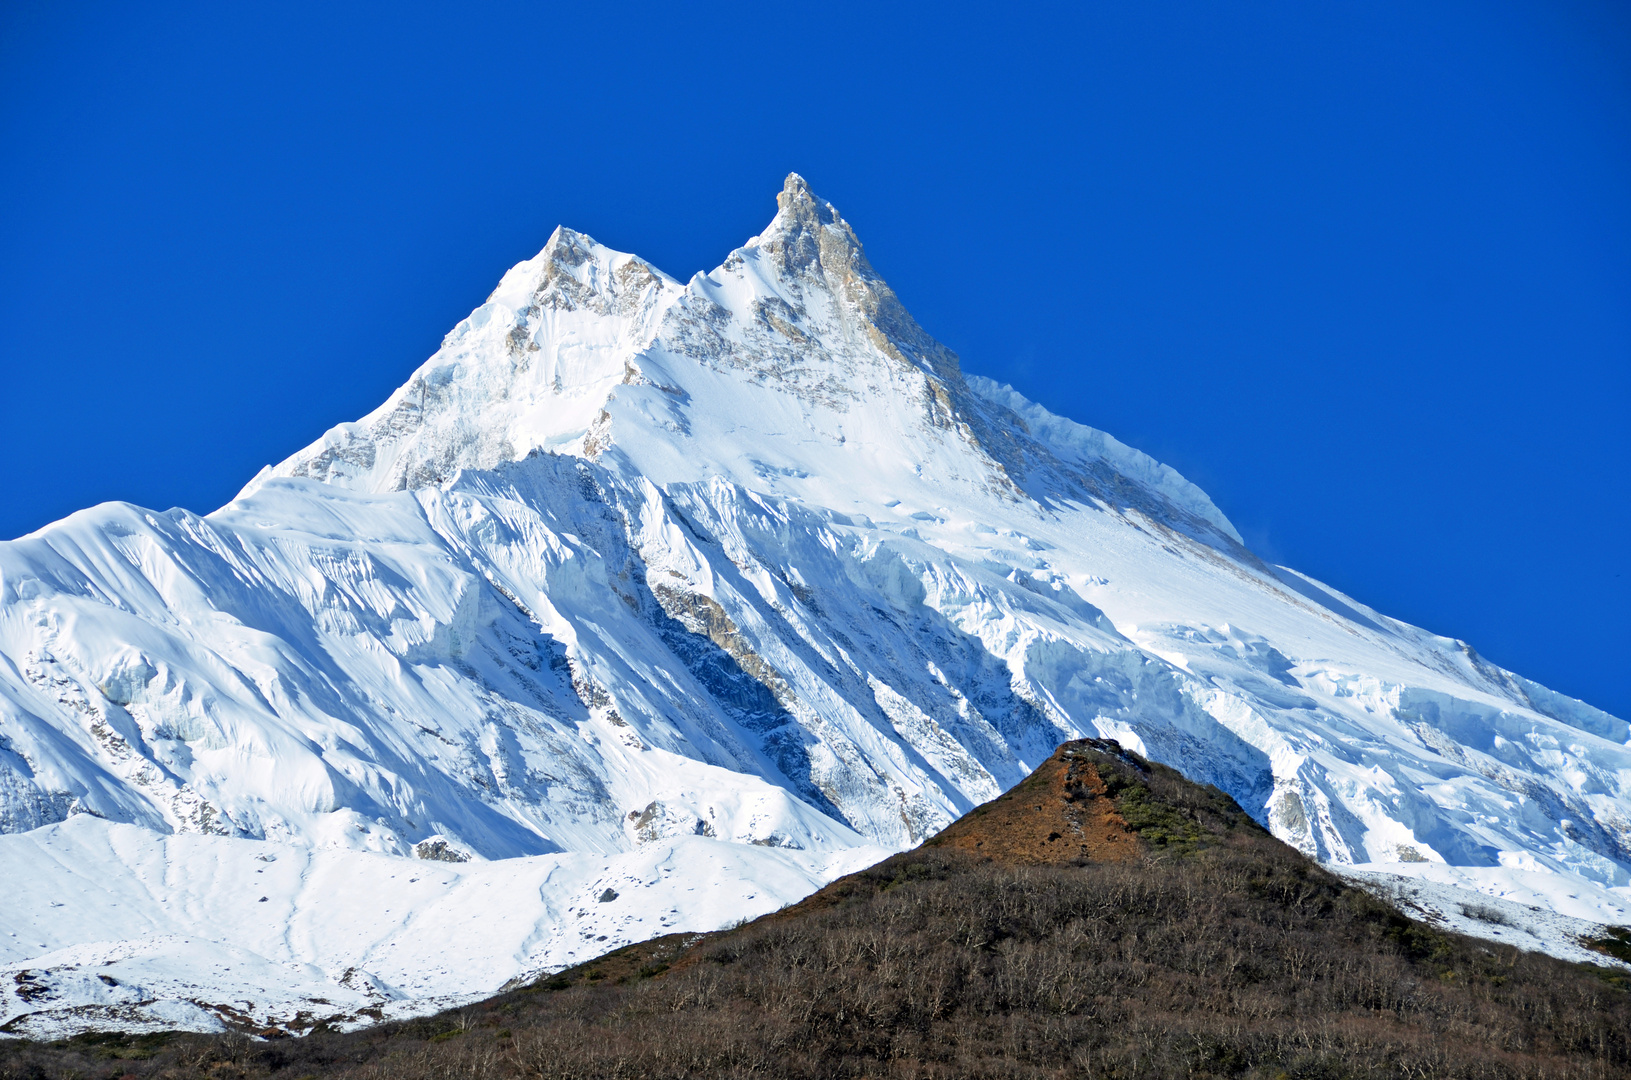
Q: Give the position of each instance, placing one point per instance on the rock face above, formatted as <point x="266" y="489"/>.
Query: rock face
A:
<point x="750" y="561"/>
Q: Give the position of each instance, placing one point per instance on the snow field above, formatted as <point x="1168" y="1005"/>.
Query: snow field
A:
<point x="113" y="925"/>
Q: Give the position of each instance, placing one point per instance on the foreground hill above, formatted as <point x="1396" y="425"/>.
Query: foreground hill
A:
<point x="1105" y="918"/>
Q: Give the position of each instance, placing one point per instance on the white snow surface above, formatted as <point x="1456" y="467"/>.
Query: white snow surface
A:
<point x="718" y="590"/>
<point x="119" y="926"/>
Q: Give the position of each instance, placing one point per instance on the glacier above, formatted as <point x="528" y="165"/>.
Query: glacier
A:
<point x="646" y="606"/>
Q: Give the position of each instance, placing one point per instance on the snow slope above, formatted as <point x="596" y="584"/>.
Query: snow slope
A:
<point x="745" y="566"/>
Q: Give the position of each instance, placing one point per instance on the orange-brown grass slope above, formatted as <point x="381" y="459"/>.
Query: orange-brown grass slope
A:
<point x="1063" y="812"/>
<point x="1106" y="918"/>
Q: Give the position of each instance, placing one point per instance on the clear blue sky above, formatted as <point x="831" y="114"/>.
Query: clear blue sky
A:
<point x="1362" y="270"/>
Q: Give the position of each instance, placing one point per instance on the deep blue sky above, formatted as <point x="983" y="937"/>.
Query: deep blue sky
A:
<point x="1361" y="270"/>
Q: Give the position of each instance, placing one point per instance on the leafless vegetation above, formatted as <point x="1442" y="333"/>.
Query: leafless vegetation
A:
<point x="1220" y="953"/>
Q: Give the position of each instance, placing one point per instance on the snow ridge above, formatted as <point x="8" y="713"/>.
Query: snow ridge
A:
<point x="701" y="594"/>
<point x="1079" y="443"/>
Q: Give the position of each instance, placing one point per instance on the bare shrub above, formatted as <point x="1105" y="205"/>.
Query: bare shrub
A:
<point x="1485" y="913"/>
<point x="1223" y="954"/>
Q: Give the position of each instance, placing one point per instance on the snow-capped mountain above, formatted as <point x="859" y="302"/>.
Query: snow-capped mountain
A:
<point x="646" y="605"/>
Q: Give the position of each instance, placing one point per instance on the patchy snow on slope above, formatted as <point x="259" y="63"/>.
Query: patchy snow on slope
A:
<point x="116" y="925"/>
<point x="742" y="578"/>
<point x="1499" y="904"/>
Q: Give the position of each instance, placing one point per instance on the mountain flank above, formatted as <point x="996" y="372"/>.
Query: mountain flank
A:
<point x="707" y="593"/>
<point x="1104" y="918"/>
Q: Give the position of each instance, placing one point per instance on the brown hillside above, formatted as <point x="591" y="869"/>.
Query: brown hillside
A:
<point x="1063" y="812"/>
<point x="1106" y="918"/>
